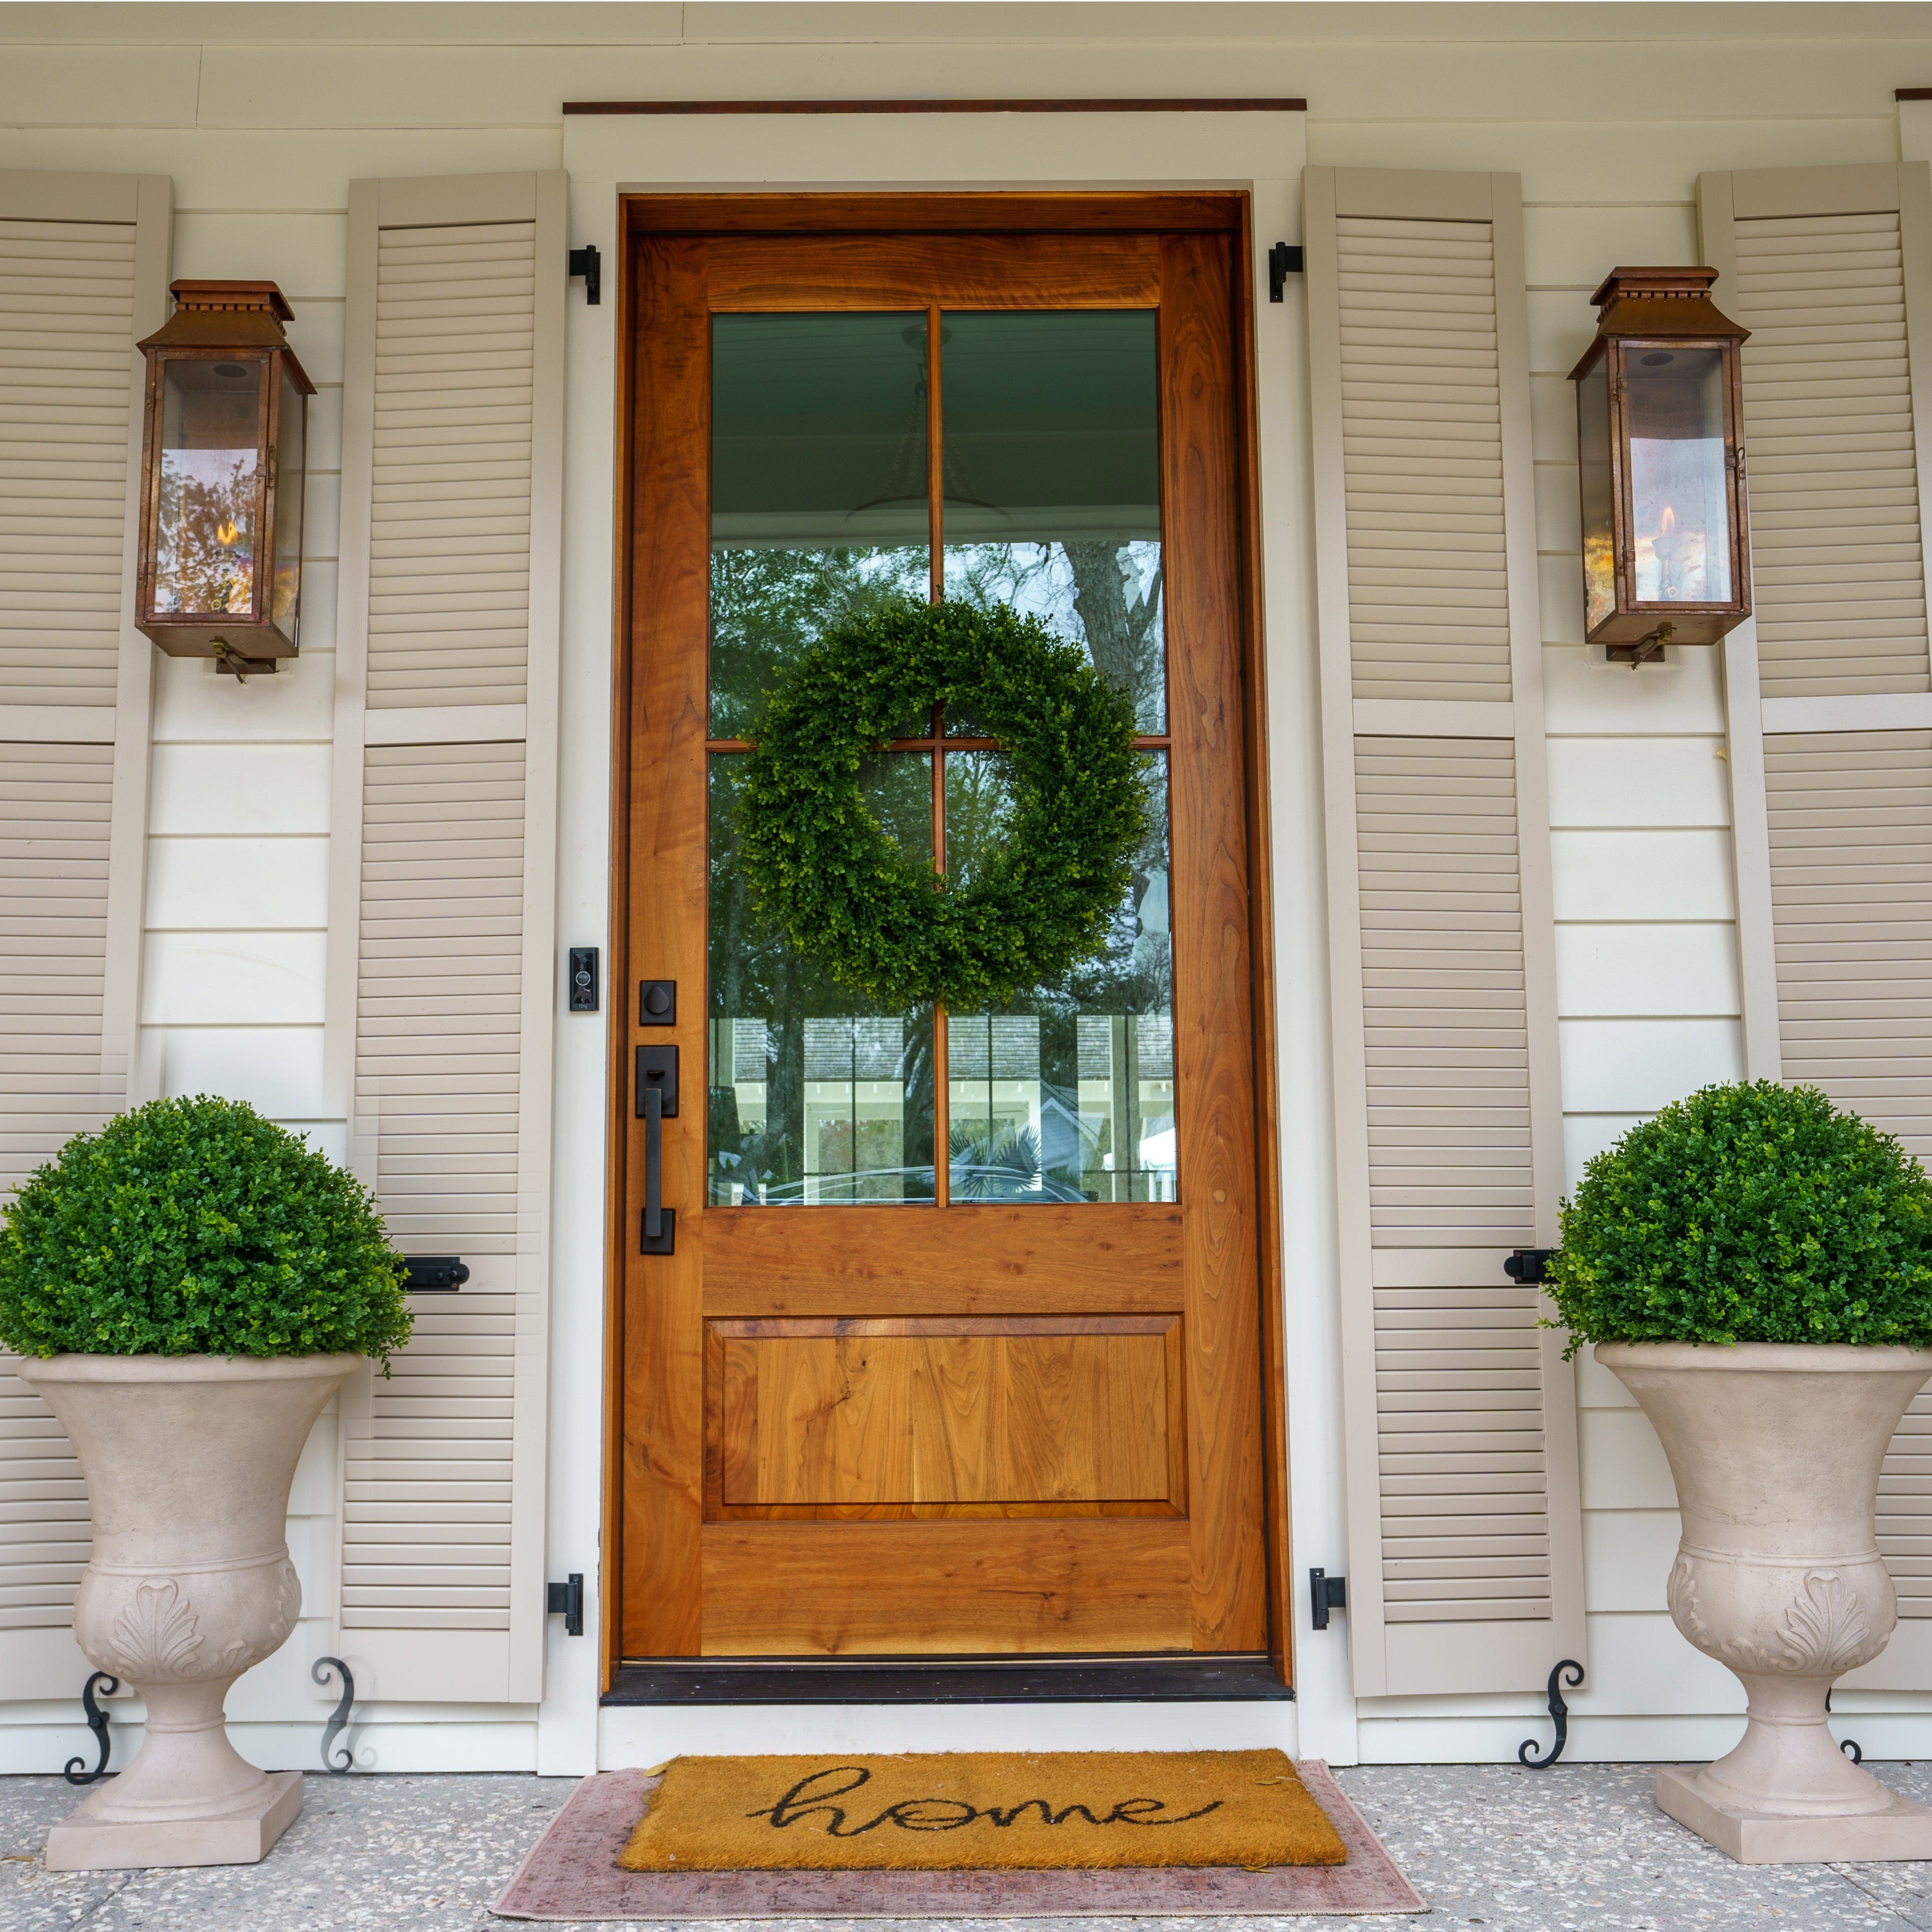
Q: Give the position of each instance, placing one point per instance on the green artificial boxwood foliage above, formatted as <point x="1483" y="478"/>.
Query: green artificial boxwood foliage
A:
<point x="1749" y="1214"/>
<point x="878" y="918"/>
<point x="194" y="1227"/>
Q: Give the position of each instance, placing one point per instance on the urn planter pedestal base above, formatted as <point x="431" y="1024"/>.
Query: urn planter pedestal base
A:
<point x="81" y="1842"/>
<point x="188" y="1460"/>
<point x="1902" y="1830"/>
<point x="1775" y="1448"/>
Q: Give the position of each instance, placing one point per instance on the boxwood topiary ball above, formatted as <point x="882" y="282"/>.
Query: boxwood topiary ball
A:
<point x="1749" y="1214"/>
<point x="195" y="1227"/>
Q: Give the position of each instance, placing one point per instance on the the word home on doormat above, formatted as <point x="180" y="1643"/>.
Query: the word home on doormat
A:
<point x="982" y="1811"/>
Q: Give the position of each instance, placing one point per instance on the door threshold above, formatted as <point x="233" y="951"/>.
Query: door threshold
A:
<point x="1173" y="1678"/>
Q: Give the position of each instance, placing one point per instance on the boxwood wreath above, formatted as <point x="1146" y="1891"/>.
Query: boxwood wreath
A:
<point x="884" y="922"/>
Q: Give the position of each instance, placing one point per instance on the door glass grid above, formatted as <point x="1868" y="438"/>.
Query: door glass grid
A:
<point x="823" y="475"/>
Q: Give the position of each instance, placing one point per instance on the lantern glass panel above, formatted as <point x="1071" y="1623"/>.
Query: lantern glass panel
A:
<point x="209" y="492"/>
<point x="1593" y="450"/>
<point x="291" y="454"/>
<point x="1680" y="522"/>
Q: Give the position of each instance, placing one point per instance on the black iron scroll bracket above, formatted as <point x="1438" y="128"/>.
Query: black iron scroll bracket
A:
<point x="97" y="1723"/>
<point x="1559" y="1712"/>
<point x="1850" y="1746"/>
<point x="342" y="1762"/>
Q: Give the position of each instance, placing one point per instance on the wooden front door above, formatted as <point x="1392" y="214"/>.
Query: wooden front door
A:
<point x="957" y="1349"/>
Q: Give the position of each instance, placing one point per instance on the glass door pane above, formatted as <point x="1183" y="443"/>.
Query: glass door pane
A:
<point x="1066" y="1092"/>
<point x="1051" y="464"/>
<point x="819" y="504"/>
<point x="1051" y="459"/>
<point x="818" y="486"/>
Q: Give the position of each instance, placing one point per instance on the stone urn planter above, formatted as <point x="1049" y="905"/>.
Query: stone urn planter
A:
<point x="1776" y="1450"/>
<point x="188" y="1460"/>
<point x="187" y="1288"/>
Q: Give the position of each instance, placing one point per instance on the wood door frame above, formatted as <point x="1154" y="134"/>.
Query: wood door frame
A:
<point x="1227" y="212"/>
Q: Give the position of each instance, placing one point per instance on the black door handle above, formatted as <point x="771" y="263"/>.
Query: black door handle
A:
<point x="657" y="1100"/>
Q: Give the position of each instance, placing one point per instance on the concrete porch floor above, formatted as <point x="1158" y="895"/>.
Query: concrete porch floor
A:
<point x="1581" y="1847"/>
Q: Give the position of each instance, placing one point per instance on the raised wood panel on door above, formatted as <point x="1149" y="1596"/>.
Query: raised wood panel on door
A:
<point x="935" y="1415"/>
<point x="1061" y="1552"/>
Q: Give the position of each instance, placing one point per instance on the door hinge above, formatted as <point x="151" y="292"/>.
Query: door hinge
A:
<point x="1283" y="261"/>
<point x="1326" y="1593"/>
<point x="585" y="261"/>
<point x="1530" y="1266"/>
<point x="565" y="1600"/>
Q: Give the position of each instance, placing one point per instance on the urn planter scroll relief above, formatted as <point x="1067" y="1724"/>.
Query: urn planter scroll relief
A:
<point x="1775" y="1448"/>
<point x="188" y="1461"/>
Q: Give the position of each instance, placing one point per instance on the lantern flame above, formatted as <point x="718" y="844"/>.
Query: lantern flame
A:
<point x="226" y="532"/>
<point x="1667" y="524"/>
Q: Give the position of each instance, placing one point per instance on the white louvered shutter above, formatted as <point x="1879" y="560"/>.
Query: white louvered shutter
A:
<point x="84" y="262"/>
<point x="1830" y="692"/>
<point x="442" y="976"/>
<point x="1464" y="1570"/>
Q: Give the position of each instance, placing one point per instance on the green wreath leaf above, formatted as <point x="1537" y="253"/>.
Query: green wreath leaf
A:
<point x="822" y="866"/>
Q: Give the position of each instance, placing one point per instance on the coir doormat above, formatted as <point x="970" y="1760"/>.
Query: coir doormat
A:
<point x="982" y="1811"/>
<point x="572" y="1876"/>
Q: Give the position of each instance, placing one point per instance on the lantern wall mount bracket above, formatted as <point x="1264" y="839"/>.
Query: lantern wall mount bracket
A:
<point x="1643" y="650"/>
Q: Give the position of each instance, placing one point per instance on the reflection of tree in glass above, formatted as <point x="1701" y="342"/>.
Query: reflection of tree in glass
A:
<point x="768" y="605"/>
<point x="207" y="560"/>
<point x="1005" y="1165"/>
<point x="1098" y="592"/>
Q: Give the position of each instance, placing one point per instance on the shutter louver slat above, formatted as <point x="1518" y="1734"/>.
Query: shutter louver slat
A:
<point x="63" y="285"/>
<point x="1421" y="458"/>
<point x="1830" y="267"/>
<point x="443" y="895"/>
<point x="1464" y="1570"/>
<point x="451" y="440"/>
<point x="1824" y="296"/>
<point x="75" y="293"/>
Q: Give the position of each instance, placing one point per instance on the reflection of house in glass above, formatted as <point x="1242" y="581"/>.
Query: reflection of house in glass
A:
<point x="1022" y="1129"/>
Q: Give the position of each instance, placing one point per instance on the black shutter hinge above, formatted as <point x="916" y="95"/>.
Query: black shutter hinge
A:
<point x="1326" y="1593"/>
<point x="1283" y="261"/>
<point x="1530" y="1266"/>
<point x="584" y="262"/>
<point x="565" y="1600"/>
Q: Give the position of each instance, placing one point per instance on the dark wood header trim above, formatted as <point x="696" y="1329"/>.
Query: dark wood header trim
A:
<point x="1241" y="106"/>
<point x="1912" y="93"/>
<point x="1073" y="212"/>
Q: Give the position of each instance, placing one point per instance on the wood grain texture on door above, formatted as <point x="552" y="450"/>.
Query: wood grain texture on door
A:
<point x="941" y="1413"/>
<point x="961" y="1426"/>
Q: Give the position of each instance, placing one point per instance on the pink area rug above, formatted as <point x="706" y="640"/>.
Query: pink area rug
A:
<point x="571" y="1874"/>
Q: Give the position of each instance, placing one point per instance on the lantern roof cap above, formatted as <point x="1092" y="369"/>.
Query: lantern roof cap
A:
<point x="1662" y="301"/>
<point x="1648" y="303"/>
<point x="229" y="315"/>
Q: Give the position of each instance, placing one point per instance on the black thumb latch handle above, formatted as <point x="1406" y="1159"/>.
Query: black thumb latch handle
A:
<point x="657" y="1102"/>
<point x="653" y="1163"/>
